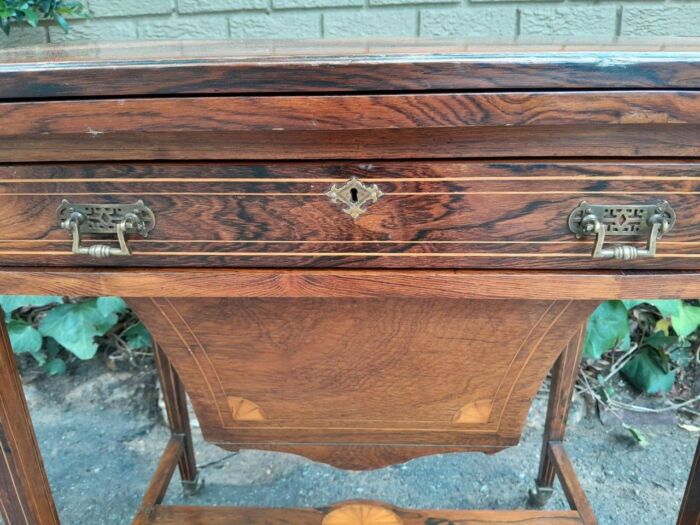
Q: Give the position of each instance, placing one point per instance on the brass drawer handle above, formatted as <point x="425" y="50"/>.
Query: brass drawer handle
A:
<point x="119" y="219"/>
<point x="601" y="220"/>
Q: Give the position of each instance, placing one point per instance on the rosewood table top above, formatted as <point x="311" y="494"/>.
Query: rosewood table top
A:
<point x="301" y="200"/>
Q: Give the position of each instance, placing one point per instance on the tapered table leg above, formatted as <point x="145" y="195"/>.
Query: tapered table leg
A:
<point x="175" y="400"/>
<point x="690" y="508"/>
<point x="562" y="388"/>
<point x="25" y="495"/>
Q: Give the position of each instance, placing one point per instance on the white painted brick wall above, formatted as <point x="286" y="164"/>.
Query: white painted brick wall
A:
<point x="502" y="20"/>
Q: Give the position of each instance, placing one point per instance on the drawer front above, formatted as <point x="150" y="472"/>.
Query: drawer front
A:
<point x="427" y="214"/>
<point x="447" y="125"/>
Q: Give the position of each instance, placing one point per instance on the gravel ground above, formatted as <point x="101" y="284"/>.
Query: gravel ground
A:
<point x="101" y="439"/>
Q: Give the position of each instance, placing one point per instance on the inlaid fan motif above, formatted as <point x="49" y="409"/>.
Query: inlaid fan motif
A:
<point x="244" y="410"/>
<point x="362" y="515"/>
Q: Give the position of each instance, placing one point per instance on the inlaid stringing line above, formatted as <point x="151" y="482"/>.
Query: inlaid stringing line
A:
<point x="516" y="354"/>
<point x="6" y="460"/>
<point x="243" y="241"/>
<point x="533" y="350"/>
<point x="201" y="348"/>
<point x="347" y="254"/>
<point x="189" y="351"/>
<point x="447" y="429"/>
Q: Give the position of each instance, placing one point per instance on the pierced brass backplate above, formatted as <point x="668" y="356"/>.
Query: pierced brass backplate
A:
<point x="119" y="219"/>
<point x="355" y="195"/>
<point x="601" y="220"/>
<point x="620" y="220"/>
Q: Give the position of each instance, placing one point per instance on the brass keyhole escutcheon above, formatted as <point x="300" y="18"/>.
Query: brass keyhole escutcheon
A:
<point x="355" y="195"/>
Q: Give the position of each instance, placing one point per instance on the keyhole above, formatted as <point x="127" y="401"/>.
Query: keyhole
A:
<point x="353" y="194"/>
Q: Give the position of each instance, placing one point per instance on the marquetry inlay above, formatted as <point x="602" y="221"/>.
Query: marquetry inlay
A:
<point x="476" y="412"/>
<point x="244" y="410"/>
<point x="362" y="515"/>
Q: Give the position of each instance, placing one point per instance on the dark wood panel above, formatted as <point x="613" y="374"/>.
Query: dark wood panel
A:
<point x="289" y="221"/>
<point x="377" y="455"/>
<point x="25" y="495"/>
<point x="128" y="68"/>
<point x="399" y="217"/>
<point x="476" y="142"/>
<point x="165" y="176"/>
<point x="433" y="214"/>
<point x="358" y="126"/>
<point x="458" y="284"/>
<point x="690" y="507"/>
<point x="396" y="373"/>
<point x="96" y="118"/>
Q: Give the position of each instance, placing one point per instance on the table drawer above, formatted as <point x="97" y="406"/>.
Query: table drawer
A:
<point x="466" y="214"/>
<point x="432" y="125"/>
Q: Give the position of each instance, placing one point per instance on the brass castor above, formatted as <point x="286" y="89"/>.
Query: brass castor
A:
<point x="190" y="488"/>
<point x="539" y="496"/>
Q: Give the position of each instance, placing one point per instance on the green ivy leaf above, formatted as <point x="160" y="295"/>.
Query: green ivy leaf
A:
<point x="10" y="303"/>
<point x="137" y="337"/>
<point x="666" y="307"/>
<point x="648" y="371"/>
<point x="660" y="340"/>
<point x="31" y="16"/>
<point x="75" y="326"/>
<point x="111" y="305"/>
<point x="636" y="435"/>
<point x="55" y="367"/>
<point x="682" y="357"/>
<point x="24" y="337"/>
<point x="607" y="327"/>
<point x="14" y="12"/>
<point x="60" y="21"/>
<point x="687" y="320"/>
<point x="51" y="347"/>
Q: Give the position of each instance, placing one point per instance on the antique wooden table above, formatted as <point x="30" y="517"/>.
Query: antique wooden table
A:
<point x="360" y="253"/>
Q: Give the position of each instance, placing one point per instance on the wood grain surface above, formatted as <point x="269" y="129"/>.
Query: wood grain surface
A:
<point x="450" y="284"/>
<point x="575" y="495"/>
<point x="170" y="515"/>
<point x="438" y="125"/>
<point x="210" y="67"/>
<point x="443" y="214"/>
<point x="354" y="373"/>
<point x="396" y="358"/>
<point x="562" y="384"/>
<point x="690" y="506"/>
<point x="25" y="495"/>
<point x="175" y="401"/>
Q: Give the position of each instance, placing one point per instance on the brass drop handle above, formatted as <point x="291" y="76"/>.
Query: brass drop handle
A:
<point x="624" y="252"/>
<point x="98" y="250"/>
<point x="655" y="220"/>
<point x="105" y="218"/>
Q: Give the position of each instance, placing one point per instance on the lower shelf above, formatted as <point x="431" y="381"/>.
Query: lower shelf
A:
<point x="172" y="515"/>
